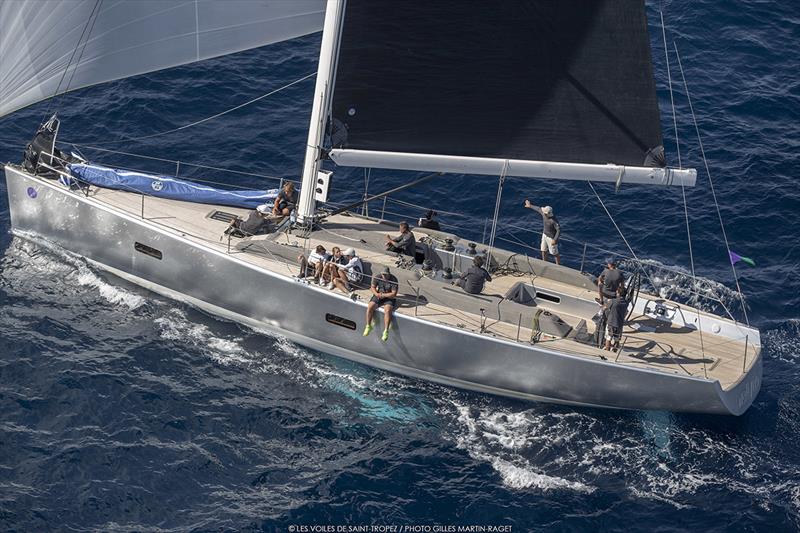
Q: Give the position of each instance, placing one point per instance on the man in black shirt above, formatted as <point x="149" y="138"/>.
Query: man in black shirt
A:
<point x="405" y="243"/>
<point x="475" y="276"/>
<point x="615" y="310"/>
<point x="286" y="200"/>
<point x="256" y="223"/>
<point x="384" y="294"/>
<point x="610" y="281"/>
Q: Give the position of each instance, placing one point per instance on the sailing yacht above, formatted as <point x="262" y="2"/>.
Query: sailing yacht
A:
<point x="524" y="89"/>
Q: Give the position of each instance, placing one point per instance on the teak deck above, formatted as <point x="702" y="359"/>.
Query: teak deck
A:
<point x="668" y="349"/>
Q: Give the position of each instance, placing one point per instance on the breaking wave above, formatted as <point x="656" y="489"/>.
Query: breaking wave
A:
<point x="37" y="258"/>
<point x="654" y="455"/>
<point x="676" y="283"/>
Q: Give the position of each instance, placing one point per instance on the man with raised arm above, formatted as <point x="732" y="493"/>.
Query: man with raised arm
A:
<point x="551" y="231"/>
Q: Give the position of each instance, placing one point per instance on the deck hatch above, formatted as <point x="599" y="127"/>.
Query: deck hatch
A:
<point x="148" y="250"/>
<point x="339" y="321"/>
<point x="222" y="216"/>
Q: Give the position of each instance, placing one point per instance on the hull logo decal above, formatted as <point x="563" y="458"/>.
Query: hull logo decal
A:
<point x="157" y="185"/>
<point x="32" y="192"/>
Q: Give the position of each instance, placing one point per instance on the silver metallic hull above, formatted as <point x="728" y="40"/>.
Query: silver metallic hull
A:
<point x="225" y="285"/>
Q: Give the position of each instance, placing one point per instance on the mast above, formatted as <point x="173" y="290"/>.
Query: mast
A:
<point x="328" y="55"/>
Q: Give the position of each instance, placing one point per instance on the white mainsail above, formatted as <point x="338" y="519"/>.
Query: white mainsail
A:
<point x="49" y="47"/>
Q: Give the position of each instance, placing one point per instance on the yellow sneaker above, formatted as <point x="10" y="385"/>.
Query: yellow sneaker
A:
<point x="367" y="330"/>
<point x="385" y="336"/>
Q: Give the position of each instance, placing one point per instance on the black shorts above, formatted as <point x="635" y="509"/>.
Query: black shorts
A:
<point x="394" y="249"/>
<point x="384" y="301"/>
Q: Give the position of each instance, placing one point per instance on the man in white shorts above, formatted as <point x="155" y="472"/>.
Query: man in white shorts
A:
<point x="551" y="232"/>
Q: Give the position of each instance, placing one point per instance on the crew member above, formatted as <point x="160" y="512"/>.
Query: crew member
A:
<point x="384" y="294"/>
<point x="473" y="279"/>
<point x="615" y="310"/>
<point x="331" y="266"/>
<point x="428" y="222"/>
<point x="352" y="272"/>
<point x="286" y="200"/>
<point x="550" y="233"/>
<point x="314" y="264"/>
<point x="610" y="281"/>
<point x="405" y="243"/>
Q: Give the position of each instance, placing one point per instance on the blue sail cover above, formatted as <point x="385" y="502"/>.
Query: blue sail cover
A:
<point x="168" y="187"/>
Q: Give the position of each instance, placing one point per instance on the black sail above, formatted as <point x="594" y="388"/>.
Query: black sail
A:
<point x="544" y="80"/>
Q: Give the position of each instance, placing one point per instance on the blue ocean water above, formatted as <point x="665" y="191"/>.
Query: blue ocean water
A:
<point x="121" y="410"/>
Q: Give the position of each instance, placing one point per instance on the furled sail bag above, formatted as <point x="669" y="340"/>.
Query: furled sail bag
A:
<point x="42" y="150"/>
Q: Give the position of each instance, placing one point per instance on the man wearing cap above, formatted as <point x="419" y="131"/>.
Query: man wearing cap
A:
<point x="551" y="232"/>
<point x="351" y="272"/>
<point x="384" y="294"/>
<point x="611" y="281"/>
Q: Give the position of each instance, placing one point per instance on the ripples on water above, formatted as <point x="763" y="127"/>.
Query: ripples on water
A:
<point x="123" y="410"/>
<point x="147" y="412"/>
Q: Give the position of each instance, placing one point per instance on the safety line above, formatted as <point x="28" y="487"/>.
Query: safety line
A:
<point x="711" y="182"/>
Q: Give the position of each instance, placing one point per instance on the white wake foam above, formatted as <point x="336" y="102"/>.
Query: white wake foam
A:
<point x="174" y="325"/>
<point x="497" y="437"/>
<point x="47" y="260"/>
<point x="547" y="448"/>
<point x="676" y="283"/>
<point x="783" y="343"/>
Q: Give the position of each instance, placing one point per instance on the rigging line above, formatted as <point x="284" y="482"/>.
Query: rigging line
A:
<point x="83" y="49"/>
<point x="295" y="82"/>
<point x="638" y="261"/>
<point x="438" y="211"/>
<point x="349" y="207"/>
<point x="345" y="237"/>
<point x="711" y="182"/>
<point x="86" y="26"/>
<point x="493" y="234"/>
<point x="683" y="187"/>
<point x="671" y="97"/>
<point x="365" y="207"/>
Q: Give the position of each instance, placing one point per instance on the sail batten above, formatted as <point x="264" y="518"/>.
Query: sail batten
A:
<point x="130" y="37"/>
<point x="538" y="80"/>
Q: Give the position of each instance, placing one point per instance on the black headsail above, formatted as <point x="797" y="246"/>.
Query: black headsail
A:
<point x="544" y="80"/>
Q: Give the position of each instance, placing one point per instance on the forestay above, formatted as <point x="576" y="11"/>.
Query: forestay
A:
<point x="466" y="85"/>
<point x="54" y="44"/>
